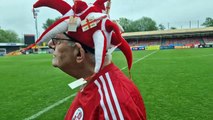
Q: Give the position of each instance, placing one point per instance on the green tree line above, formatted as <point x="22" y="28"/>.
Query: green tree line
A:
<point x="8" y="36"/>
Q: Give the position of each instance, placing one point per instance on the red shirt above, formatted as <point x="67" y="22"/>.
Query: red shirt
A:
<point x="109" y="96"/>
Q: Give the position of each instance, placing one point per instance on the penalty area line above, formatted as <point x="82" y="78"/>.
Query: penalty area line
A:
<point x="65" y="99"/>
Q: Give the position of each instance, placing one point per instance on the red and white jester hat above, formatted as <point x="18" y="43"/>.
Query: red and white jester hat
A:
<point x="89" y="25"/>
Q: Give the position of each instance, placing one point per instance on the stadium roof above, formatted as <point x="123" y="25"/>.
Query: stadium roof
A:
<point x="11" y="44"/>
<point x="170" y="33"/>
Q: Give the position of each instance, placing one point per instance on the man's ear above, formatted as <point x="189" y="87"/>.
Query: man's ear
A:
<point x="79" y="53"/>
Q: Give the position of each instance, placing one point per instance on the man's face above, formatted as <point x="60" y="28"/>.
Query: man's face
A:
<point x="63" y="51"/>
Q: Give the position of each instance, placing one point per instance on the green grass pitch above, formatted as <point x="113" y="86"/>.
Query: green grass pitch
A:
<point x="175" y="84"/>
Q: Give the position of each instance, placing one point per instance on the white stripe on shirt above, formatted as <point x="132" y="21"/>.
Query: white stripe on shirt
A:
<point x="114" y="96"/>
<point x="102" y="101"/>
<point x="108" y="98"/>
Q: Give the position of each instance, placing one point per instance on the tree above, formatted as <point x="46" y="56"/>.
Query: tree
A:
<point x="145" y="24"/>
<point x="49" y="22"/>
<point x="126" y="24"/>
<point x="142" y="24"/>
<point x="161" y="27"/>
<point x="208" y="22"/>
<point x="8" y="36"/>
<point x="173" y="28"/>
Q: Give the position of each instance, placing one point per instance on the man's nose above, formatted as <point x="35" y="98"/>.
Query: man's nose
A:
<point x="51" y="45"/>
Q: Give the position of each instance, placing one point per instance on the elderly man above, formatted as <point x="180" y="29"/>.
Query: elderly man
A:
<point x="83" y="40"/>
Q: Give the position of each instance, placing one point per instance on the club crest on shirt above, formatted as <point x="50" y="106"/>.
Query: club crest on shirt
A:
<point x="79" y="114"/>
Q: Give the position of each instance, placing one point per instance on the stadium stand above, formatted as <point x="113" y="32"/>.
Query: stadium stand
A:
<point x="10" y="47"/>
<point x="188" y="38"/>
<point x="182" y="42"/>
<point x="208" y="39"/>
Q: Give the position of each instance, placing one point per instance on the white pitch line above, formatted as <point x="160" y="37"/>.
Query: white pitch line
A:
<point x="65" y="99"/>
<point x="49" y="107"/>
<point x="140" y="59"/>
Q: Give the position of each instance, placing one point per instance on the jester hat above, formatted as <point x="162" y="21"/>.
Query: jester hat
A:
<point x="87" y="24"/>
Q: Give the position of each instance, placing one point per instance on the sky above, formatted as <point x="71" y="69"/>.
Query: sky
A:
<point x="17" y="15"/>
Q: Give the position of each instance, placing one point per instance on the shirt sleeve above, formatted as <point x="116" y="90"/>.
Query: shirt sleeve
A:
<point x="133" y="108"/>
